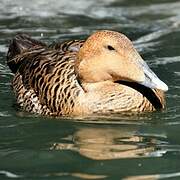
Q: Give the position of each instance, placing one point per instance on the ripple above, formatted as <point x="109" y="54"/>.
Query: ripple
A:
<point x="153" y="176"/>
<point x="166" y="60"/>
<point x="4" y="71"/>
<point x="177" y="73"/>
<point x="3" y="48"/>
<point x="4" y="114"/>
<point x="151" y="36"/>
<point x="9" y="174"/>
<point x="47" y="8"/>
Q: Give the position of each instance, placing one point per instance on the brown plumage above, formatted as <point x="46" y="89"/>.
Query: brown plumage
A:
<point x="103" y="74"/>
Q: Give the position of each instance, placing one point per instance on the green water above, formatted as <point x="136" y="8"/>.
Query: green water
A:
<point x="113" y="147"/>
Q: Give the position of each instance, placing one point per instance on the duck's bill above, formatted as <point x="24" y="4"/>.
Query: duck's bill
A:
<point x="151" y="80"/>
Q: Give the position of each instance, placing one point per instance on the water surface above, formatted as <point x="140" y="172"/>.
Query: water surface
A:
<point x="114" y="147"/>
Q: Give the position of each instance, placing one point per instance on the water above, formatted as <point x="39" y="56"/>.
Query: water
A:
<point x="145" y="146"/>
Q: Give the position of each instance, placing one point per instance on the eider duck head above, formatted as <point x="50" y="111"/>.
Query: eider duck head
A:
<point x="110" y="56"/>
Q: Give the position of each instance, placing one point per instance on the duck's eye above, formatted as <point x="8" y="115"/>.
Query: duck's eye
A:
<point x="110" y="48"/>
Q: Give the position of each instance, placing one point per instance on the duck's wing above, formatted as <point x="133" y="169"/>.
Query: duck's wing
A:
<point x="21" y="43"/>
<point x="45" y="81"/>
<point x="68" y="46"/>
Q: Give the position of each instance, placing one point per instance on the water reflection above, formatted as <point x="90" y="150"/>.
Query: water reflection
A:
<point x="110" y="143"/>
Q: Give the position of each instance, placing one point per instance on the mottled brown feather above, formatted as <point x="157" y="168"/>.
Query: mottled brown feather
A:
<point x="45" y="82"/>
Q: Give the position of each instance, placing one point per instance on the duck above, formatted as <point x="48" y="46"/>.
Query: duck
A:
<point x="103" y="74"/>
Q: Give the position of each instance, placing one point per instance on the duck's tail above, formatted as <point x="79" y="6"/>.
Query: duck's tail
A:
<point x="19" y="44"/>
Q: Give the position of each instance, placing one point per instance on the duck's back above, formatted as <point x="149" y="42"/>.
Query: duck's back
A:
<point x="44" y="80"/>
